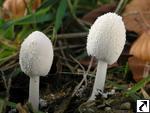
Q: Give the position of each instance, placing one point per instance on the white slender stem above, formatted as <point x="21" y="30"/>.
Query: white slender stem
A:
<point x="99" y="79"/>
<point x="34" y="92"/>
<point x="146" y="70"/>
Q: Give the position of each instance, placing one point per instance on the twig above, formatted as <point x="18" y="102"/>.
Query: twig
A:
<point x="79" y="73"/>
<point x="75" y="17"/>
<point x="87" y="105"/>
<point x="71" y="47"/>
<point x="84" y="78"/>
<point x="72" y="35"/>
<point x="8" y="59"/>
<point x="7" y="85"/>
<point x="4" y="79"/>
<point x="85" y="22"/>
<point x="10" y="67"/>
<point x="62" y="58"/>
<point x="121" y="6"/>
<point x="78" y="63"/>
<point x="63" y="54"/>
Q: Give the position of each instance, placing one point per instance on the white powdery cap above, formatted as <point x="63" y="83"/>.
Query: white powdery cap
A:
<point x="36" y="54"/>
<point x="106" y="38"/>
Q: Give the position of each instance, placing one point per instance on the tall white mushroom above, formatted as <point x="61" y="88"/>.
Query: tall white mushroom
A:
<point x="105" y="41"/>
<point x="36" y="57"/>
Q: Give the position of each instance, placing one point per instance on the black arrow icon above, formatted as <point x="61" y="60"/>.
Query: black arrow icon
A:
<point x="144" y="103"/>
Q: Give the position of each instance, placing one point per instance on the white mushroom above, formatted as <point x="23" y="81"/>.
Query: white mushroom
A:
<point x="36" y="57"/>
<point x="105" y="41"/>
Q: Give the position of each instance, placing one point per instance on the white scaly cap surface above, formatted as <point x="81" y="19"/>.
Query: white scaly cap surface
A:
<point x="36" y="54"/>
<point x="106" y="38"/>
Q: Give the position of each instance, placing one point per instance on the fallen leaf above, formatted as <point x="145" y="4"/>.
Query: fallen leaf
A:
<point x="141" y="47"/>
<point x="136" y="16"/>
<point x="137" y="67"/>
<point x="17" y="8"/>
<point x="22" y="109"/>
<point x="92" y="15"/>
<point x="138" y="5"/>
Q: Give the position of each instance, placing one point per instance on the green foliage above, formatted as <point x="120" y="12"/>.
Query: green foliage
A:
<point x="120" y="69"/>
<point x="75" y="5"/>
<point x="1" y="2"/>
<point x="5" y="53"/>
<point x="23" y="33"/>
<point x="60" y="15"/>
<point x="7" y="33"/>
<point x="2" y="104"/>
<point x="105" y="1"/>
<point x="6" y="49"/>
<point x="42" y="15"/>
<point x="118" y="86"/>
<point x="47" y="3"/>
<point x="135" y="96"/>
<point x="138" y="86"/>
<point x="88" y="3"/>
<point x="11" y="36"/>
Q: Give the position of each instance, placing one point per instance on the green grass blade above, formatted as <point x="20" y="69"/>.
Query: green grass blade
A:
<point x="2" y="104"/>
<point x="9" y="33"/>
<point x="138" y="86"/>
<point x="41" y="16"/>
<point x="47" y="3"/>
<point x="60" y="14"/>
<point x="105" y="1"/>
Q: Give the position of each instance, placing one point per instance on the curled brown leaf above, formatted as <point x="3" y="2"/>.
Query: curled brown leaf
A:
<point x="136" y="16"/>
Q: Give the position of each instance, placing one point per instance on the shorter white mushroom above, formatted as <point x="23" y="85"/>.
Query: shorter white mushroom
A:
<point x="105" y="41"/>
<point x="36" y="57"/>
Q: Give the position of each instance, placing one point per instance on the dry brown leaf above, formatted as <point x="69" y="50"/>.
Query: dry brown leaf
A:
<point x="36" y="4"/>
<point x="141" y="47"/>
<point x="137" y="67"/>
<point x="137" y="15"/>
<point x="17" y="8"/>
<point x="22" y="109"/>
<point x="92" y="15"/>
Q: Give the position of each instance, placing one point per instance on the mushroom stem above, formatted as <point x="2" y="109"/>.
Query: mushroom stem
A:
<point x="34" y="92"/>
<point x="146" y="70"/>
<point x="100" y="79"/>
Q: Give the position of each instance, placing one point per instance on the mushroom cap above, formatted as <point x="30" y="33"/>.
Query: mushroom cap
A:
<point x="106" y="38"/>
<point x="141" y="47"/>
<point x="36" y="54"/>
